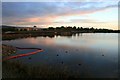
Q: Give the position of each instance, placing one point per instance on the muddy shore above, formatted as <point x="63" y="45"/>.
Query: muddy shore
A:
<point x="7" y="50"/>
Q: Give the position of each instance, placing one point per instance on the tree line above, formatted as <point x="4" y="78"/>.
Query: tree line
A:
<point x="79" y="29"/>
<point x="64" y="29"/>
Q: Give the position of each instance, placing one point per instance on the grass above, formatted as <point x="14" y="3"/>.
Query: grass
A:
<point x="8" y="50"/>
<point x="15" y="69"/>
<point x="18" y="70"/>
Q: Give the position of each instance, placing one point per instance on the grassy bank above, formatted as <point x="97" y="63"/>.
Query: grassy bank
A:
<point x="16" y="69"/>
<point x="19" y="70"/>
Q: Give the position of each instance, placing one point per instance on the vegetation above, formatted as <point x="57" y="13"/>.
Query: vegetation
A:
<point x="16" y="69"/>
<point x="19" y="70"/>
<point x="81" y="30"/>
<point x="73" y="29"/>
<point x="50" y="32"/>
<point x="9" y="29"/>
<point x="7" y="50"/>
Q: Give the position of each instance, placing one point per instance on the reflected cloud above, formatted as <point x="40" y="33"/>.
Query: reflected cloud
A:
<point x="43" y="41"/>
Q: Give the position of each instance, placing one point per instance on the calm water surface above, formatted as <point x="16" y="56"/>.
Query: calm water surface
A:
<point x="87" y="54"/>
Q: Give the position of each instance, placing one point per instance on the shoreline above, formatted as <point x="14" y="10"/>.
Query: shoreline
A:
<point x="7" y="50"/>
<point x="16" y="69"/>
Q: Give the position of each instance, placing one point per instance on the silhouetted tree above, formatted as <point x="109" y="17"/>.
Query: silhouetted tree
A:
<point x="74" y="27"/>
<point x="34" y="26"/>
<point x="24" y="29"/>
<point x="78" y="28"/>
<point x="8" y="29"/>
<point x="50" y="28"/>
<point x="69" y="27"/>
<point x="58" y="28"/>
<point x="86" y="28"/>
<point x="81" y="28"/>
<point x="62" y="28"/>
<point x="45" y="29"/>
<point x="91" y="28"/>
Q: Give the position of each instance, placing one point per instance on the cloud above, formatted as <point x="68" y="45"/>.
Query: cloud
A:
<point x="46" y="12"/>
<point x="28" y="9"/>
<point x="34" y="21"/>
<point x="59" y="0"/>
<point x="85" y="21"/>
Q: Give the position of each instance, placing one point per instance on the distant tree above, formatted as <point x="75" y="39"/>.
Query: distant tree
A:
<point x="86" y="28"/>
<point x="58" y="28"/>
<point x="91" y="28"/>
<point x="69" y="28"/>
<point x="8" y="29"/>
<point x="74" y="27"/>
<point x="81" y="28"/>
<point x="34" y="26"/>
<point x="51" y="28"/>
<point x="78" y="28"/>
<point x="62" y="27"/>
<point x="25" y="30"/>
<point x="45" y="29"/>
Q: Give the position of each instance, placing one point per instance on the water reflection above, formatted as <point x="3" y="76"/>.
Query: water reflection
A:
<point x="93" y="54"/>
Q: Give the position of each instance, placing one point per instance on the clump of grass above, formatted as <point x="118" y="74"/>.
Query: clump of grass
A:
<point x="18" y="70"/>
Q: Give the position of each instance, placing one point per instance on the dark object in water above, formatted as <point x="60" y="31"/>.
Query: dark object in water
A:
<point x="62" y="62"/>
<point x="29" y="58"/>
<point x="79" y="64"/>
<point x="66" y="51"/>
<point x="102" y="54"/>
<point x="57" y="55"/>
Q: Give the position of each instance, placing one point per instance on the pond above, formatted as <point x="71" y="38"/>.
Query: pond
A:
<point x="84" y="54"/>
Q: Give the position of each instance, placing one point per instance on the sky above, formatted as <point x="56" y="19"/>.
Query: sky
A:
<point x="101" y="14"/>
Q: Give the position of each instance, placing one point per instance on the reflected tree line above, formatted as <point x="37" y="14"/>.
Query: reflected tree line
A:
<point x="64" y="35"/>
